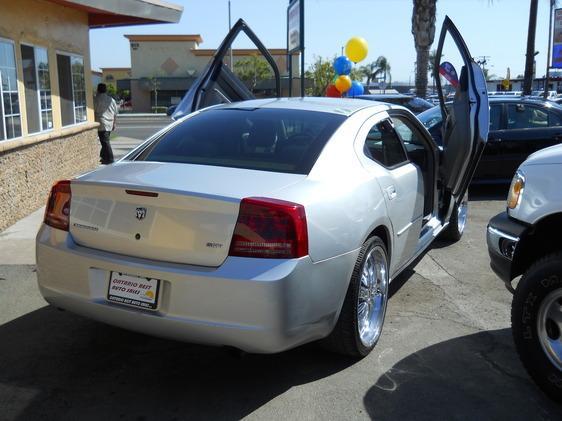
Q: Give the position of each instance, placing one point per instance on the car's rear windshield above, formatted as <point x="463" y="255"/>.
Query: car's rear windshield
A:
<point x="278" y="140"/>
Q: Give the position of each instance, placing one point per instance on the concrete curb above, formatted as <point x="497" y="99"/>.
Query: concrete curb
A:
<point x="141" y="115"/>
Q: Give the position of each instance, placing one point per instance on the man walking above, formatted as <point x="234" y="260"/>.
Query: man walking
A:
<point x="105" y="111"/>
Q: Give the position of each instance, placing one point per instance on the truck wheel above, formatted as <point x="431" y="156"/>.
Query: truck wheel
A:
<point x="359" y="326"/>
<point x="457" y="223"/>
<point x="536" y="322"/>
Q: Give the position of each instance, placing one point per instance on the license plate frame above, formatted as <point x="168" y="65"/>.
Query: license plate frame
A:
<point x="121" y="290"/>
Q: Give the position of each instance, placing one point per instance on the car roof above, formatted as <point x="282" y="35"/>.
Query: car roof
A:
<point x="342" y="106"/>
<point x="381" y="96"/>
<point x="516" y="98"/>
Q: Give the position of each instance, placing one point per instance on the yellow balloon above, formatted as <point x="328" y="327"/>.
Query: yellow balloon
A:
<point x="343" y="83"/>
<point x="356" y="49"/>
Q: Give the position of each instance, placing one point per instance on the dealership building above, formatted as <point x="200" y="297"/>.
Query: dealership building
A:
<point x="163" y="67"/>
<point x="47" y="128"/>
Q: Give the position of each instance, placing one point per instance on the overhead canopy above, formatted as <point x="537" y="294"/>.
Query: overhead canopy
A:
<point x="106" y="13"/>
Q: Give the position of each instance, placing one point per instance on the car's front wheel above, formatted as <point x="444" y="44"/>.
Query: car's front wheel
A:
<point x="360" y="323"/>
<point x="536" y="321"/>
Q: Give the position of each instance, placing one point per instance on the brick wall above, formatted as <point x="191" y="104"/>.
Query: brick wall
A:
<point x="27" y="173"/>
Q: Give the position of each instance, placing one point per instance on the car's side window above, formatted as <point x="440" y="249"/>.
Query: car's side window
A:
<point x="554" y="119"/>
<point x="522" y="116"/>
<point x="495" y="116"/>
<point x="383" y="145"/>
<point x="406" y="133"/>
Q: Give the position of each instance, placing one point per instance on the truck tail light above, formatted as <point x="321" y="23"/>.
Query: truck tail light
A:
<point x="57" y="213"/>
<point x="270" y="228"/>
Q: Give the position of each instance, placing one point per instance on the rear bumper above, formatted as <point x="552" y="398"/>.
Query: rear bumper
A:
<point x="503" y="236"/>
<point x="257" y="305"/>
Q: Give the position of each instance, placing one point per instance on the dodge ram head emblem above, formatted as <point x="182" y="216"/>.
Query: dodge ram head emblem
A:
<point x="141" y="213"/>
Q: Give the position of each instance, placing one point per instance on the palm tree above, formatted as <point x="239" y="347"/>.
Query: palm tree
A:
<point x="431" y="67"/>
<point x="368" y="71"/>
<point x="383" y="67"/>
<point x="375" y="69"/>
<point x="423" y="29"/>
<point x="530" y="56"/>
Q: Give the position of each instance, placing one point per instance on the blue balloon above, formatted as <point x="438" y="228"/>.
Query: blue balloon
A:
<point x="342" y="65"/>
<point x="356" y="89"/>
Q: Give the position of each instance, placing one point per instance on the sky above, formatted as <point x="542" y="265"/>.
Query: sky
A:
<point x="494" y="28"/>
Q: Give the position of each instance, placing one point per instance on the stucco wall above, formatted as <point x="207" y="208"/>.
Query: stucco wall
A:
<point x="165" y="59"/>
<point x="54" y="27"/>
<point x="30" y="164"/>
<point x="27" y="173"/>
<point x="116" y="74"/>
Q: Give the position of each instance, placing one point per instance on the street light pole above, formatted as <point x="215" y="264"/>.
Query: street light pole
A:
<point x="549" y="53"/>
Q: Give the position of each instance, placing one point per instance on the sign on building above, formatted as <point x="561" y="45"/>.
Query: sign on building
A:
<point x="294" y="26"/>
<point x="557" y="40"/>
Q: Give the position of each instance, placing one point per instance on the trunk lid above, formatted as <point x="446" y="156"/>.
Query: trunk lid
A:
<point x="177" y="213"/>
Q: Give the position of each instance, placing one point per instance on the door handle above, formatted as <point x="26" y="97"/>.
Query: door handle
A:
<point x="391" y="192"/>
<point x="557" y="137"/>
<point x="495" y="140"/>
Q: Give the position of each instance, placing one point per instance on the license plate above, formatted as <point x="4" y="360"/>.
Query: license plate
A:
<point x="133" y="290"/>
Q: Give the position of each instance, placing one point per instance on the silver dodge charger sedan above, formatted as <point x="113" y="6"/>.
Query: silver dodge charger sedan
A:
<point x="264" y="224"/>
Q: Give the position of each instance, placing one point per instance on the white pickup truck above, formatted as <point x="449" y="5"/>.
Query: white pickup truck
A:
<point x="526" y="240"/>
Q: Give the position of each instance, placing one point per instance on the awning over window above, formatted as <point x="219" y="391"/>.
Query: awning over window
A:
<point x="106" y="13"/>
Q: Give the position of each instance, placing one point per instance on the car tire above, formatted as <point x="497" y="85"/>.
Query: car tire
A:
<point x="534" y="329"/>
<point x="457" y="222"/>
<point x="361" y="319"/>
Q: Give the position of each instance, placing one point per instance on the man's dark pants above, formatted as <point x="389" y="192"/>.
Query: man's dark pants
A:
<point x="106" y="154"/>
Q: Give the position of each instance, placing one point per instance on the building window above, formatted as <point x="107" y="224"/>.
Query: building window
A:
<point x="10" y="118"/>
<point x="35" y="63"/>
<point x="72" y="89"/>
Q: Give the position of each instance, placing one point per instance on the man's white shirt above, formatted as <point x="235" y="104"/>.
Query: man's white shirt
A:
<point x="105" y="110"/>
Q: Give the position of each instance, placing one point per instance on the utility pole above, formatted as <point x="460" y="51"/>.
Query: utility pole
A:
<point x="549" y="52"/>
<point x="530" y="56"/>
<point x="482" y="61"/>
<point x="229" y="28"/>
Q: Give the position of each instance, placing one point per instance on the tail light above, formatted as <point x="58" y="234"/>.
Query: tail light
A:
<point x="270" y="228"/>
<point x="57" y="213"/>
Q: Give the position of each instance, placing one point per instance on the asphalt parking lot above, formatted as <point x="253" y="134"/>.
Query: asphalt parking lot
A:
<point x="446" y="353"/>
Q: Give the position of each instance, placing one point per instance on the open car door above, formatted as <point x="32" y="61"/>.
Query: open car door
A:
<point x="466" y="118"/>
<point x="218" y="84"/>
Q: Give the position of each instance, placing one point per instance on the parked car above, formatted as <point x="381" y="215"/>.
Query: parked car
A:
<point x="170" y="110"/>
<point x="525" y="240"/>
<point x="413" y="103"/>
<point x="262" y="224"/>
<point x="518" y="127"/>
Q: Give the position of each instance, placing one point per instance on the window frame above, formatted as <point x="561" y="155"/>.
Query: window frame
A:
<point x="38" y="88"/>
<point x="2" y="109"/>
<point x="405" y="152"/>
<point x="75" y="55"/>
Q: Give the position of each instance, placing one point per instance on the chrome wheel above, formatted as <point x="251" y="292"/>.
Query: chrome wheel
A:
<point x="372" y="297"/>
<point x="549" y="327"/>
<point x="462" y="214"/>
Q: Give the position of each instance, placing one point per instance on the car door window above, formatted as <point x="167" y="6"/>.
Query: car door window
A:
<point x="554" y="120"/>
<point x="522" y="116"/>
<point x="495" y="116"/>
<point x="383" y="145"/>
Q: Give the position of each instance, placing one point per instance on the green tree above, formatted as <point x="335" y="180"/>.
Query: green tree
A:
<point x="431" y="67"/>
<point x="322" y="73"/>
<point x="423" y="30"/>
<point x="111" y="91"/>
<point x="252" y="70"/>
<point x="368" y="71"/>
<point x="378" y="69"/>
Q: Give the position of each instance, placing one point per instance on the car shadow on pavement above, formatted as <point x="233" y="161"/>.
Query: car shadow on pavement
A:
<point x="477" y="376"/>
<point x="56" y="365"/>
<point x="488" y="192"/>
